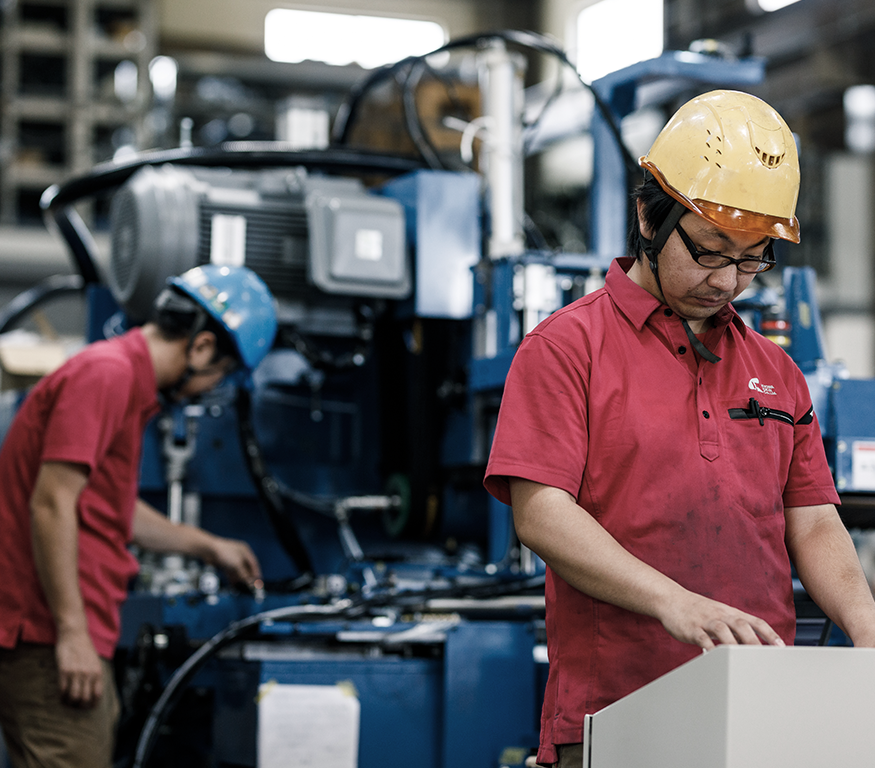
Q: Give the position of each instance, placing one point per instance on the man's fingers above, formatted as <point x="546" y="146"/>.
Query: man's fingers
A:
<point x="81" y="690"/>
<point x="707" y="623"/>
<point x="96" y="689"/>
<point x="72" y="690"/>
<point x="65" y="684"/>
<point x="768" y="634"/>
<point x="704" y="641"/>
<point x="745" y="630"/>
<point x="745" y="634"/>
<point x="722" y="633"/>
<point x="751" y="630"/>
<point x="238" y="560"/>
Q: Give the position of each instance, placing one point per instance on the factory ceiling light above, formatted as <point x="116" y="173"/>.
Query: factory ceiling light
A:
<point x="613" y="34"/>
<point x="337" y="38"/>
<point x="773" y="5"/>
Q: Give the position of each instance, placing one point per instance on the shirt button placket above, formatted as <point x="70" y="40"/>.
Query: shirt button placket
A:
<point x="708" y="432"/>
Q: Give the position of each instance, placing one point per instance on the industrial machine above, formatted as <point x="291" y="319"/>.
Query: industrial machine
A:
<point x="400" y="622"/>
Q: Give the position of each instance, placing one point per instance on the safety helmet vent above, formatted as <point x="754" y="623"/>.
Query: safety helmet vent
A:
<point x="713" y="153"/>
<point x="769" y="160"/>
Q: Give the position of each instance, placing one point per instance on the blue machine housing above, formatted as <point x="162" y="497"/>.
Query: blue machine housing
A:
<point x="346" y="432"/>
<point x="403" y="419"/>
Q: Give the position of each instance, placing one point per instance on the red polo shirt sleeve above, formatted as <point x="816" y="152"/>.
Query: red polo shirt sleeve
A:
<point x="535" y="410"/>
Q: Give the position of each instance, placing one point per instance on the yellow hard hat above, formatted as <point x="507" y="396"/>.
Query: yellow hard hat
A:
<point x="730" y="157"/>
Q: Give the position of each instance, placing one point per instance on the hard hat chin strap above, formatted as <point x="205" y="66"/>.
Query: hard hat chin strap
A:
<point x="706" y="353"/>
<point x="198" y="325"/>
<point x="652" y="249"/>
<point x="173" y="391"/>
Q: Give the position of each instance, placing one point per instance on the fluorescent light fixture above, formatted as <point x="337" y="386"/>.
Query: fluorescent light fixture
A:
<point x="125" y="79"/>
<point x="613" y="34"/>
<point x="336" y="38"/>
<point x="774" y="5"/>
<point x="859" y="103"/>
<point x="162" y="72"/>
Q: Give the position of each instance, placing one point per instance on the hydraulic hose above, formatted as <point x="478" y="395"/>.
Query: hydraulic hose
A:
<point x="29" y="300"/>
<point x="348" y="109"/>
<point x="268" y="489"/>
<point x="347" y="608"/>
<point x="230" y="634"/>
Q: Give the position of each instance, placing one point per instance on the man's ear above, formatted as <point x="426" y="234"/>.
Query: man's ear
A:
<point x="642" y="222"/>
<point x="203" y="347"/>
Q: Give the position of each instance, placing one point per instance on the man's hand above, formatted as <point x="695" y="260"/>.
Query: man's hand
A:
<point x="550" y="522"/>
<point x="707" y="623"/>
<point x="80" y="672"/>
<point x="236" y="559"/>
<point x="153" y="531"/>
<point x="55" y="535"/>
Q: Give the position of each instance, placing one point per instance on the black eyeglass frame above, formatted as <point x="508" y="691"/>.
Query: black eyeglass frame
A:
<point x="768" y="262"/>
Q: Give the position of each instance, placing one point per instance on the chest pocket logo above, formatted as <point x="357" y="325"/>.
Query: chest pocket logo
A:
<point x="766" y="389"/>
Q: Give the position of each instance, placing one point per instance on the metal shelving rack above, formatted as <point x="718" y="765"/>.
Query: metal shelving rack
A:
<point x="59" y="107"/>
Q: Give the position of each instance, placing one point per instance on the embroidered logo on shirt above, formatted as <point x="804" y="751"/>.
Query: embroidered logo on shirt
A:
<point x="766" y="389"/>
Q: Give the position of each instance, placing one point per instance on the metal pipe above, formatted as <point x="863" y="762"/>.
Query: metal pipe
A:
<point x="502" y="90"/>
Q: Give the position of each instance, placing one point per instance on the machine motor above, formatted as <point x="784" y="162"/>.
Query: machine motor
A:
<point x="320" y="243"/>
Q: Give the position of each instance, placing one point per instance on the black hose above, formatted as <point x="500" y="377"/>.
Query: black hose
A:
<point x="69" y="225"/>
<point x="347" y="608"/>
<point x="230" y="634"/>
<point x="427" y="150"/>
<point x="347" y="112"/>
<point x="268" y="489"/>
<point x="27" y="301"/>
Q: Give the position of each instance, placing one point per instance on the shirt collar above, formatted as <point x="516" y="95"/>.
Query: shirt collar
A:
<point x="638" y="305"/>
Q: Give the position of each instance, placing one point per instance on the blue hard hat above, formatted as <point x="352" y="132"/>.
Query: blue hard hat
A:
<point x="237" y="299"/>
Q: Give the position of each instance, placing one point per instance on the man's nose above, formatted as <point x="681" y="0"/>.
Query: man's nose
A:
<point x="724" y="279"/>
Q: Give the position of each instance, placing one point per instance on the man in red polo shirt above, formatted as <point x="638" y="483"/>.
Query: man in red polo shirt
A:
<point x="662" y="458"/>
<point x="69" y="470"/>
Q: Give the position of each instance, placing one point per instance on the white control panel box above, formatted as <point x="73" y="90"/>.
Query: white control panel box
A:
<point x="744" y="707"/>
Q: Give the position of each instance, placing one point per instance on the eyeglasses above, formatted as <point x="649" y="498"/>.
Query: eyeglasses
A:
<point x="711" y="260"/>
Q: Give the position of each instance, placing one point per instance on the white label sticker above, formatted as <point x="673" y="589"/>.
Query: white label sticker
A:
<point x="307" y="725"/>
<point x="863" y="465"/>
<point x="369" y="244"/>
<point x="228" y="240"/>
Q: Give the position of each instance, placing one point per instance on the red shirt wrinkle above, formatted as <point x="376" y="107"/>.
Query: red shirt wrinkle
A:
<point x="91" y="411"/>
<point x="602" y="402"/>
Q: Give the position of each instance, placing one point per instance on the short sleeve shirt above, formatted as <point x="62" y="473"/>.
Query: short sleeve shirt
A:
<point x="607" y="400"/>
<point x="92" y="411"/>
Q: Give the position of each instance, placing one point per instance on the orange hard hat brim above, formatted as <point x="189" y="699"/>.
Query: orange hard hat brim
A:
<point x="727" y="217"/>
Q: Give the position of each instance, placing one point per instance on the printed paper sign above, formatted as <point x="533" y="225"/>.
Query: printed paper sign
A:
<point x="307" y="726"/>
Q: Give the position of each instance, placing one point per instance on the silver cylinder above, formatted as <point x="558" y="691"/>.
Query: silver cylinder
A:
<point x="501" y="84"/>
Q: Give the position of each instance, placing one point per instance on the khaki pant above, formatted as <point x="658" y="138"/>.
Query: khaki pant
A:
<point x="40" y="730"/>
<point x="570" y="756"/>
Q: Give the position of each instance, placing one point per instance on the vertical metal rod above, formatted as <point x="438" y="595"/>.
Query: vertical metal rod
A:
<point x="502" y="92"/>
